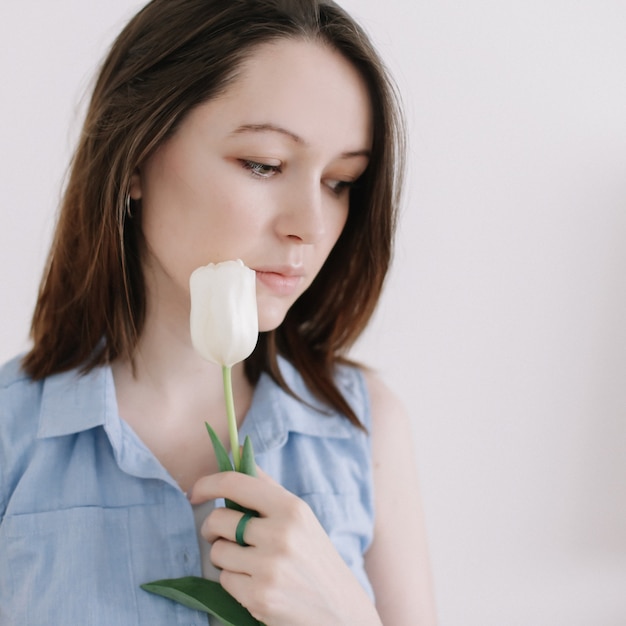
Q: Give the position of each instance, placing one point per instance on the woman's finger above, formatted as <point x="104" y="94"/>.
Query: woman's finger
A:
<point x="222" y="523"/>
<point x="260" y="494"/>
<point x="239" y="586"/>
<point x="226" y="555"/>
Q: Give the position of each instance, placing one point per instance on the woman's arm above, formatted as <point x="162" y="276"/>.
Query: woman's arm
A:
<point x="397" y="562"/>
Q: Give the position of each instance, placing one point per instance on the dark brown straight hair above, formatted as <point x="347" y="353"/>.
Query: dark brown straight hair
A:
<point x="172" y="56"/>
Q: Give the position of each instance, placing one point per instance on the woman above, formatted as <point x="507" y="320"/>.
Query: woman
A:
<point x="263" y="130"/>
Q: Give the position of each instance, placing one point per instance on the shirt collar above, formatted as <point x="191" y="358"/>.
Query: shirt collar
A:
<point x="73" y="402"/>
<point x="275" y="413"/>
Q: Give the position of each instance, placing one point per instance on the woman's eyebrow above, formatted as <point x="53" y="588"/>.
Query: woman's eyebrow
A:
<point x="356" y="153"/>
<point x="273" y="128"/>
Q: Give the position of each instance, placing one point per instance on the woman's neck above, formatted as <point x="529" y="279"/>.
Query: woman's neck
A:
<point x="168" y="392"/>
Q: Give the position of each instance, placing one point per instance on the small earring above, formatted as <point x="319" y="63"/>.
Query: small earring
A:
<point x="129" y="211"/>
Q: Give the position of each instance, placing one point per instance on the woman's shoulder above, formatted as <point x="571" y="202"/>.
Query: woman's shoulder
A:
<point x="12" y="372"/>
<point x="20" y="405"/>
<point x="18" y="391"/>
<point x="382" y="397"/>
<point x="366" y="387"/>
<point x="389" y="416"/>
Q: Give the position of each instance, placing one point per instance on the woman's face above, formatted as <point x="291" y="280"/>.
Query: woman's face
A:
<point x="262" y="173"/>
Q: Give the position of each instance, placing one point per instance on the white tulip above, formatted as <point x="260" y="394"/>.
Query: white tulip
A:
<point x="224" y="323"/>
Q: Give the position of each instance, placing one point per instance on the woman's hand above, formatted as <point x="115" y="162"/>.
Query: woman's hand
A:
<point x="289" y="573"/>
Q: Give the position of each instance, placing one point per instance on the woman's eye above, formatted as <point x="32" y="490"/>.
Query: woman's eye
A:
<point x="261" y="170"/>
<point x="339" y="186"/>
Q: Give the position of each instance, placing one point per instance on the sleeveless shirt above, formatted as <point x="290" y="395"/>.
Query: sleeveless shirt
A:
<point x="88" y="514"/>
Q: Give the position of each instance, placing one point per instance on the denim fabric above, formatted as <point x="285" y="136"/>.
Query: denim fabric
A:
<point x="87" y="513"/>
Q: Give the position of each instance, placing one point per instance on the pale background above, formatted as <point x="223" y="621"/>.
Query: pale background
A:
<point x="503" y="327"/>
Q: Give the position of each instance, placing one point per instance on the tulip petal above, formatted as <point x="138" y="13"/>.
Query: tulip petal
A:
<point x="223" y="319"/>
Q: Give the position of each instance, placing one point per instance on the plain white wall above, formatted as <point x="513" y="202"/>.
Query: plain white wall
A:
<point x="503" y="326"/>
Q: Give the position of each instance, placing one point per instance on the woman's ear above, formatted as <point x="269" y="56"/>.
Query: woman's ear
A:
<point x="134" y="189"/>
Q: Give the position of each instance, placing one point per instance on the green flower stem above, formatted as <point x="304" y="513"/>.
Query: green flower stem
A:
<point x="230" y="414"/>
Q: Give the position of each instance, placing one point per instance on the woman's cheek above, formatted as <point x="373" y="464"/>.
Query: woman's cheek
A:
<point x="272" y="312"/>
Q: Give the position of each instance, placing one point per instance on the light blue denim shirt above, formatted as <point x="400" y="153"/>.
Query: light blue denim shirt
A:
<point x="87" y="513"/>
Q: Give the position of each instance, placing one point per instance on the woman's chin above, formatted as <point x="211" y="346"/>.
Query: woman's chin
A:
<point x="271" y="319"/>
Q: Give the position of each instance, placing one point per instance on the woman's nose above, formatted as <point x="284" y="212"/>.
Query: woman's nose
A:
<point x="302" y="214"/>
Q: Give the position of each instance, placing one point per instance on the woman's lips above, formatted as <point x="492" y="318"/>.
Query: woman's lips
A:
<point x="280" y="283"/>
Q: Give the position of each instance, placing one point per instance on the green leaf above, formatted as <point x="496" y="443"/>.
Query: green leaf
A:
<point x="248" y="464"/>
<point x="230" y="504"/>
<point x="203" y="595"/>
<point x="223" y="460"/>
